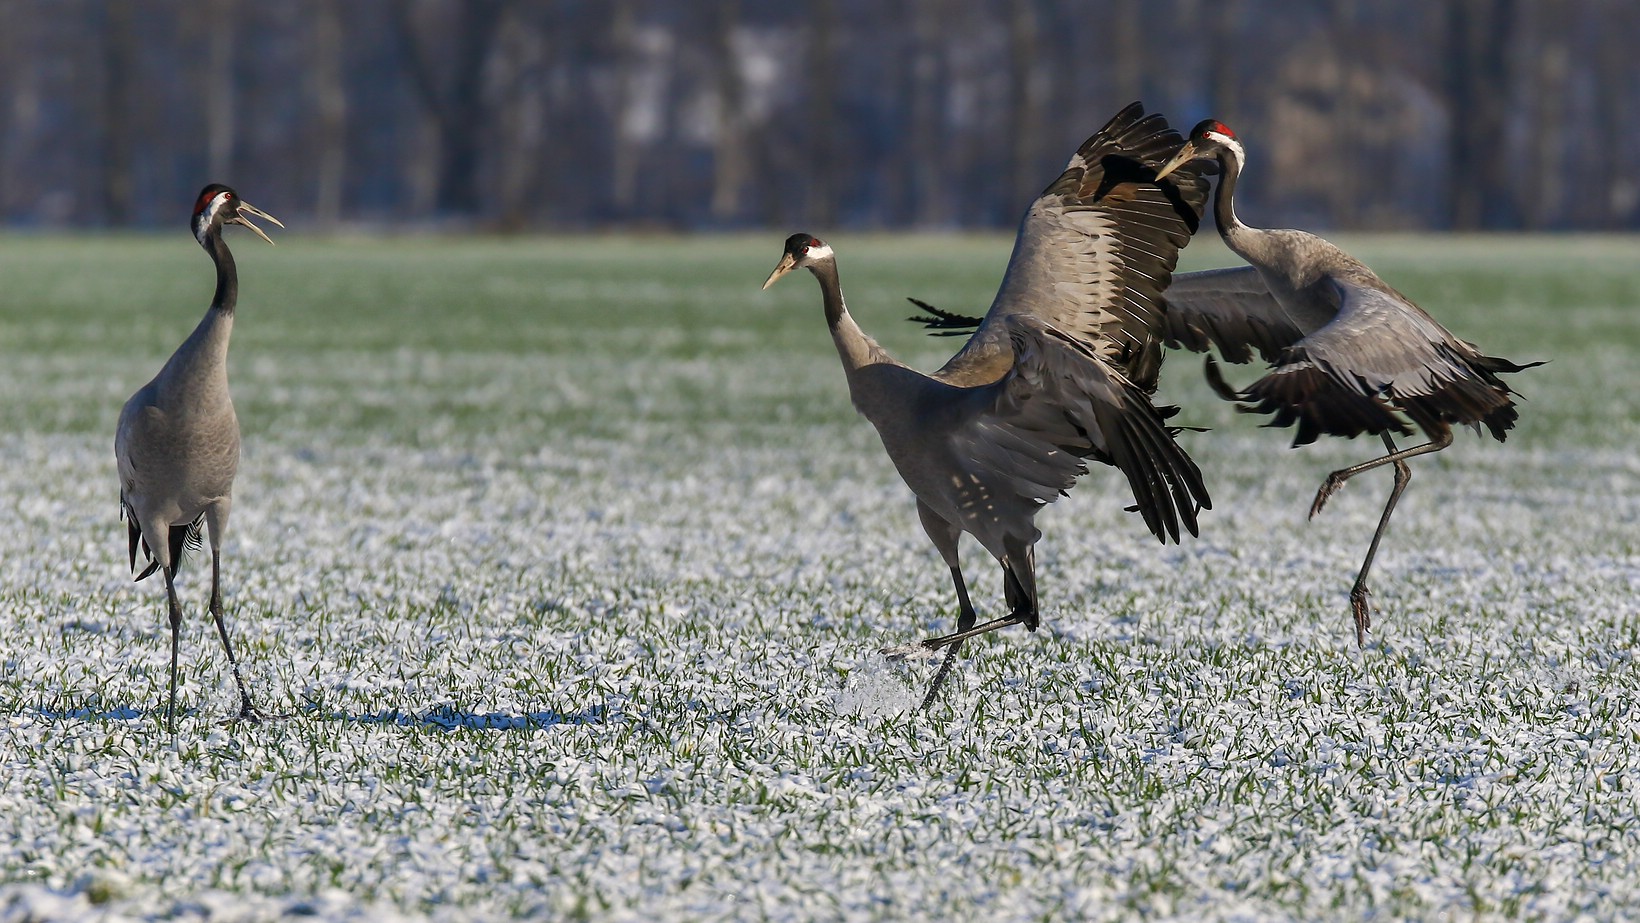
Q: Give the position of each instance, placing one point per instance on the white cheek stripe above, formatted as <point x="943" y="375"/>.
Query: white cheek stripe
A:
<point x="208" y="216"/>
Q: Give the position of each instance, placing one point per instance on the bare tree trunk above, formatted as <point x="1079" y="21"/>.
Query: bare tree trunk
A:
<point x="220" y="92"/>
<point x="1613" y="138"/>
<point x="729" y="155"/>
<point x="521" y="156"/>
<point x="1184" y="34"/>
<point x="624" y="169"/>
<point x="1222" y="64"/>
<point x="460" y="112"/>
<point x="119" y="54"/>
<point x="822" y="80"/>
<point x="330" y="97"/>
<point x="12" y="80"/>
<point x="1540" y="200"/>
<point x="1346" y="190"/>
<point x="1026" y="86"/>
<point x="1477" y="94"/>
<point x="1127" y="51"/>
<point x="924" y="165"/>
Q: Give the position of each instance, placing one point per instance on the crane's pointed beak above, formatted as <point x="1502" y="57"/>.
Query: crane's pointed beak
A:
<point x="1184" y="156"/>
<point x="781" y="268"/>
<point x="247" y="208"/>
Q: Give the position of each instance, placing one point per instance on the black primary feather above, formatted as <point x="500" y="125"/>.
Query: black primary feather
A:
<point x="183" y="540"/>
<point x="943" y="323"/>
<point x="186" y="540"/>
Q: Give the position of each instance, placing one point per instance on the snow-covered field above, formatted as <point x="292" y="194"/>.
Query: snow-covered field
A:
<point x="567" y="563"/>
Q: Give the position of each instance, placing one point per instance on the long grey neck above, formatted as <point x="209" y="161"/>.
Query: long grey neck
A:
<point x="227" y="274"/>
<point x="1224" y="206"/>
<point x="198" y="369"/>
<point x="1289" y="262"/>
<point x="1250" y="243"/>
<point x="853" y="346"/>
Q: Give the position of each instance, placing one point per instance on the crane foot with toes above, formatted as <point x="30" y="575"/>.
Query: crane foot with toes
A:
<point x="903" y="652"/>
<point x="1362" y="610"/>
<point x="925" y="649"/>
<point x="1329" y="487"/>
<point x="934" y="644"/>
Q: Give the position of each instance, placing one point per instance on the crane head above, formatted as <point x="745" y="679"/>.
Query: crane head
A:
<point x="219" y="205"/>
<point x="1206" y="140"/>
<point x="802" y="250"/>
<point x="1212" y="131"/>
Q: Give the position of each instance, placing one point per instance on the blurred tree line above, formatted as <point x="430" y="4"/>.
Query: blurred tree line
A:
<point x="515" y="114"/>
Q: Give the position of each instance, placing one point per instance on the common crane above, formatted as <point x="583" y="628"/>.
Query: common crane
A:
<point x="1061" y="370"/>
<point x="177" y="445"/>
<point x="1348" y="354"/>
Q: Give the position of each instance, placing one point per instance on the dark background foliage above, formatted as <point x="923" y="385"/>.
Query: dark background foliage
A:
<point x="541" y="114"/>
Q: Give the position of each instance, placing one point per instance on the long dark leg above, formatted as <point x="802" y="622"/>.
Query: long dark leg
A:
<point x="965" y="621"/>
<point x="944" y="535"/>
<point x="1018" y="585"/>
<point x="246" y="710"/>
<point x="935" y="644"/>
<point x="1019" y="582"/>
<point x="1359" y="594"/>
<point x="176" y="629"/>
<point x="1337" y="478"/>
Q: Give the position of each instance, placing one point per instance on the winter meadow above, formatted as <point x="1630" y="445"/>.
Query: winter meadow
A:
<point x="563" y="566"/>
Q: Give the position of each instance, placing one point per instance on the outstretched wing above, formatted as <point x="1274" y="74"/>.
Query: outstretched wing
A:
<point x="1095" y="251"/>
<point x="1380" y="354"/>
<point x="1028" y="433"/>
<point x="1230" y="309"/>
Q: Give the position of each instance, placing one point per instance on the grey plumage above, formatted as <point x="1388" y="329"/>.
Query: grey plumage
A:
<point x="177" y="444"/>
<point x="1060" y="370"/>
<point x="1348" y="354"/>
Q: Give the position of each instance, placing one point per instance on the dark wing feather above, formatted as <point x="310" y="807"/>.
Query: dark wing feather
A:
<point x="133" y="534"/>
<point x="1381" y="354"/>
<point x="186" y="540"/>
<point x="943" y="323"/>
<point x="1095" y="251"/>
<point x="1230" y="310"/>
<point x="183" y="540"/>
<point x="1298" y="393"/>
<point x="1061" y="403"/>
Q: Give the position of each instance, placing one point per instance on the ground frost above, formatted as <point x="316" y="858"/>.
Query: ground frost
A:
<point x="568" y="625"/>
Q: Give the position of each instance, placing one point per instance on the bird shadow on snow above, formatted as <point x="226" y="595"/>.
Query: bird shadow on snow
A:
<point x="117" y="713"/>
<point x="447" y="718"/>
<point x="442" y="717"/>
